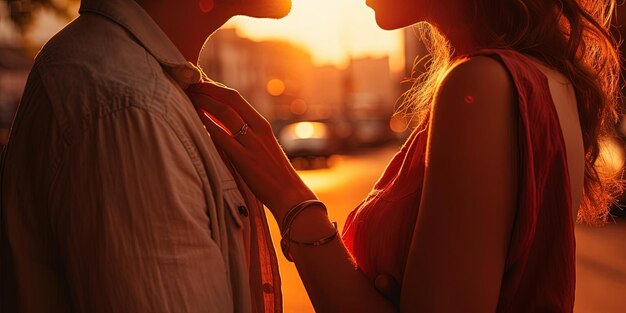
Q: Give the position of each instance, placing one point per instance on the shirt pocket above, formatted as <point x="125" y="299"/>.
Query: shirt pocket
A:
<point x="235" y="203"/>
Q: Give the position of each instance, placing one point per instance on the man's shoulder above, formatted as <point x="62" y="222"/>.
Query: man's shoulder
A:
<point x="93" y="66"/>
<point x="93" y="52"/>
<point x="91" y="39"/>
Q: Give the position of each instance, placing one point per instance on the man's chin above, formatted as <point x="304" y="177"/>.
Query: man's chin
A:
<point x="278" y="10"/>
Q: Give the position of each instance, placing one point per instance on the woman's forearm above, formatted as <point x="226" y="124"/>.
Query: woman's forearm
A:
<point x="329" y="273"/>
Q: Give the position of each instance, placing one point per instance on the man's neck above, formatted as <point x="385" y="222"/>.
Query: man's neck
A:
<point x="185" y="25"/>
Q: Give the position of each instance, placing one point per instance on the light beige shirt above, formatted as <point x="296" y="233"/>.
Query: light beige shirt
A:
<point x="114" y="197"/>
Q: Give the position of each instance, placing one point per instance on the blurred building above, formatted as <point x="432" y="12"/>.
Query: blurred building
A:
<point x="370" y="77"/>
<point x="324" y="92"/>
<point x="270" y="73"/>
<point x="372" y="95"/>
<point x="281" y="81"/>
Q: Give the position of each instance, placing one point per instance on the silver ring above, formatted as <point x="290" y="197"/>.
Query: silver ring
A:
<point x="242" y="131"/>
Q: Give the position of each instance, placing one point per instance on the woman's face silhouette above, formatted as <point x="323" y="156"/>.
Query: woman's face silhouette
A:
<point x="393" y="14"/>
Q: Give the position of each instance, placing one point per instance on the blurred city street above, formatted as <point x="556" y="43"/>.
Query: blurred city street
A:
<point x="601" y="256"/>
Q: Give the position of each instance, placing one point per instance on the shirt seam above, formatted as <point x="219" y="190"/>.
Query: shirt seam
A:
<point x="56" y="161"/>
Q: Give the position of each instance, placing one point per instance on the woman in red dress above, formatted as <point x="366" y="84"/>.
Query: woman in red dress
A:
<point x="476" y="212"/>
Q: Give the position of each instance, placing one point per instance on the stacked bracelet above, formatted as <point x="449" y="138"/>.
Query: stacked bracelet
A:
<point x="320" y="242"/>
<point x="288" y="221"/>
<point x="295" y="211"/>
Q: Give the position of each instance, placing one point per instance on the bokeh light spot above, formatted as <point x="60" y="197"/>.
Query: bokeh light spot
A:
<point x="304" y="130"/>
<point x="398" y="124"/>
<point x="469" y="99"/>
<point x="275" y="87"/>
<point x="298" y="107"/>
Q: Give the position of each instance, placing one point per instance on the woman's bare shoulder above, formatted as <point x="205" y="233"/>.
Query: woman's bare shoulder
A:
<point x="474" y="94"/>
<point x="476" y="74"/>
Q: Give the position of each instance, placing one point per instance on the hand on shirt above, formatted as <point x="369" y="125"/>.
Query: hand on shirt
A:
<point x="258" y="157"/>
<point x="256" y="154"/>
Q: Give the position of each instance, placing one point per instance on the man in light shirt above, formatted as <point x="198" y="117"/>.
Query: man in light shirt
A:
<point x="114" y="197"/>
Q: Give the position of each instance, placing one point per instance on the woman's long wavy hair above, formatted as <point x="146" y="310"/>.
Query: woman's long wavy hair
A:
<point x="574" y="38"/>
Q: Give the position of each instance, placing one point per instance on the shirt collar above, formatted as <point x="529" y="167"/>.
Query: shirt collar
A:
<point x="132" y="17"/>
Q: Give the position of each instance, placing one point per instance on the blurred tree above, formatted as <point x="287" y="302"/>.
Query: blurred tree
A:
<point x="21" y="11"/>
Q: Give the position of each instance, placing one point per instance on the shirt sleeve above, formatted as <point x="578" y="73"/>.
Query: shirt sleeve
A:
<point x="132" y="223"/>
<point x="28" y="252"/>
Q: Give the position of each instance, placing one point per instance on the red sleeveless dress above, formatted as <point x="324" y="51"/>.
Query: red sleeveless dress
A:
<point x="540" y="266"/>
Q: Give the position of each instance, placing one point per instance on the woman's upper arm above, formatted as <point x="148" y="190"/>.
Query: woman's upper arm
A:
<point x="458" y="252"/>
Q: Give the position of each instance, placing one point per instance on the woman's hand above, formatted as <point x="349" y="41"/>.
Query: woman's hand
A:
<point x="388" y="287"/>
<point x="247" y="138"/>
<point x="327" y="269"/>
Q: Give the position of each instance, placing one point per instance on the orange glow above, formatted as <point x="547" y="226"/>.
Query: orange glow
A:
<point x="325" y="179"/>
<point x="332" y="30"/>
<point x="275" y="87"/>
<point x="398" y="124"/>
<point x="611" y="159"/>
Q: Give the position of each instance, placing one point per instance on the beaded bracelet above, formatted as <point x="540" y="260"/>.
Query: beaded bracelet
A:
<point x="288" y="221"/>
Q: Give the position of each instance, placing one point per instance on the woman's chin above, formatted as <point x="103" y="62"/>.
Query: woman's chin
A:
<point x="391" y="23"/>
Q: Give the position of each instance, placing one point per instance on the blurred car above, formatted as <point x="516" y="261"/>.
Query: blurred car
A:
<point x="308" y="139"/>
<point x="372" y="131"/>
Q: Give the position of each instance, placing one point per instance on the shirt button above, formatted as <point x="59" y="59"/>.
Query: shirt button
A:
<point x="268" y="288"/>
<point x="243" y="210"/>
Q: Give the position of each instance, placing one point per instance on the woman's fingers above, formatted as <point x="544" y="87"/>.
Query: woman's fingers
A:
<point x="233" y="99"/>
<point x="224" y="114"/>
<point x="226" y="118"/>
<point x="256" y="154"/>
<point x="223" y="139"/>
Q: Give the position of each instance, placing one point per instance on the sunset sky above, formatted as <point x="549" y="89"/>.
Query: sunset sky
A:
<point x="331" y="29"/>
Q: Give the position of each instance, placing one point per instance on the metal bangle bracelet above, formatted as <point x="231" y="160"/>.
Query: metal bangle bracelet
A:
<point x="295" y="211"/>
<point x="286" y="240"/>
<point x="288" y="219"/>
<point x="321" y="241"/>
